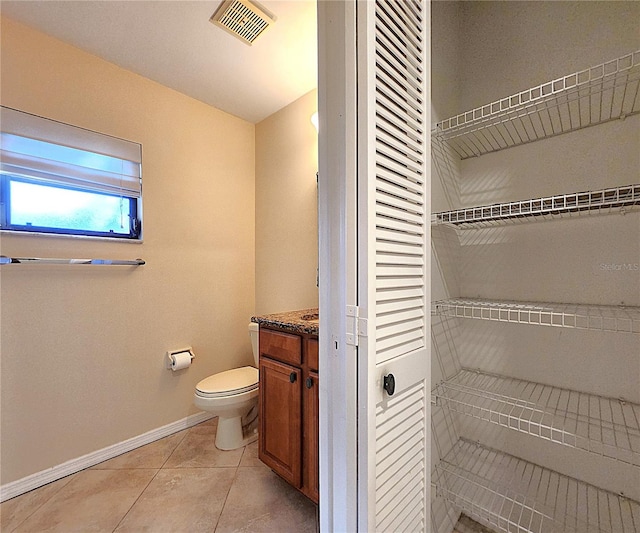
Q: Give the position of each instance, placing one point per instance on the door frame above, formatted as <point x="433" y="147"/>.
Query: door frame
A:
<point x="337" y="241"/>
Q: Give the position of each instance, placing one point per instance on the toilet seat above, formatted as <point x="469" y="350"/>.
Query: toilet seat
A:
<point x="228" y="383"/>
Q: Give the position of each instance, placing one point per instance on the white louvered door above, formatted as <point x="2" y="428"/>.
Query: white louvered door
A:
<point x="393" y="265"/>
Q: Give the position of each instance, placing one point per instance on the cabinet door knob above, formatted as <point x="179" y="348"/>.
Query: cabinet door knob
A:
<point x="309" y="382"/>
<point x="292" y="377"/>
<point x="390" y="384"/>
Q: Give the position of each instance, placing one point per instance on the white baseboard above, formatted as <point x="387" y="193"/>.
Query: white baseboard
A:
<point x="33" y="481"/>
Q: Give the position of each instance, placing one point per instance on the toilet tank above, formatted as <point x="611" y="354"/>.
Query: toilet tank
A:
<point x="254" y="334"/>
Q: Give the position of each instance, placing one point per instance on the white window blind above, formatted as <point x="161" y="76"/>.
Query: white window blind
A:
<point x="52" y="152"/>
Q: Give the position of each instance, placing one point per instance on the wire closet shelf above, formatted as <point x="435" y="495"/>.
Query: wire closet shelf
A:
<point x="603" y="426"/>
<point x="604" y="201"/>
<point x="605" y="92"/>
<point x="513" y="495"/>
<point x="619" y="319"/>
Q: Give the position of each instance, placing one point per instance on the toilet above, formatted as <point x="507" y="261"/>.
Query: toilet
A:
<point x="232" y="395"/>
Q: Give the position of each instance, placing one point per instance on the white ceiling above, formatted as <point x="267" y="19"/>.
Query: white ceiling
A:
<point x="173" y="42"/>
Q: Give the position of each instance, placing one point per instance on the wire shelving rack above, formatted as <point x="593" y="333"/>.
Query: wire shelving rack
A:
<point x="620" y="319"/>
<point x="513" y="495"/>
<point x="598" y="94"/>
<point x="604" y="201"/>
<point x="604" y="426"/>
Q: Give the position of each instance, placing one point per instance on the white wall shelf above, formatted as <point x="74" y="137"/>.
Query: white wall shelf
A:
<point x="605" y="92"/>
<point x="513" y="495"/>
<point x="604" y="201"/>
<point x="607" y="427"/>
<point x="621" y="319"/>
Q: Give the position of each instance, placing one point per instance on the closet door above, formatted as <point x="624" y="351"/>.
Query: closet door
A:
<point x="392" y="320"/>
<point x="374" y="184"/>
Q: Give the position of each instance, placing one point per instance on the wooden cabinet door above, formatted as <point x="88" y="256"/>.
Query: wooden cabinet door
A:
<point x="280" y="436"/>
<point x="310" y="467"/>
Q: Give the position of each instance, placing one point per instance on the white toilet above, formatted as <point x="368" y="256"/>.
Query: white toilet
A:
<point x="232" y="395"/>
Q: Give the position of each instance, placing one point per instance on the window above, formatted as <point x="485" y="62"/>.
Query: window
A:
<point x="33" y="206"/>
<point x="57" y="178"/>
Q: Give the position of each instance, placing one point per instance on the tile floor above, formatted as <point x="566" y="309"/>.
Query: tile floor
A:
<point x="467" y="525"/>
<point x="181" y="484"/>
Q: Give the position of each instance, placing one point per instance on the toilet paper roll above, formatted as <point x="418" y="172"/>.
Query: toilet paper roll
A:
<point x="180" y="360"/>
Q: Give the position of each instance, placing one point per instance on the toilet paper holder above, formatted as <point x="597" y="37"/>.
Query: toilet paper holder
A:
<point x="170" y="356"/>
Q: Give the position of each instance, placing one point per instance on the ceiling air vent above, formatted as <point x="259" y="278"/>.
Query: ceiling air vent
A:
<point x="242" y="19"/>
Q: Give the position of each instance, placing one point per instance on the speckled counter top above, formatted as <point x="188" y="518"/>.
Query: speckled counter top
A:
<point x="301" y="321"/>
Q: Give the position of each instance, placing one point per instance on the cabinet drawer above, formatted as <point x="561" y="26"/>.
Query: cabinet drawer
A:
<point x="281" y="346"/>
<point x="312" y="354"/>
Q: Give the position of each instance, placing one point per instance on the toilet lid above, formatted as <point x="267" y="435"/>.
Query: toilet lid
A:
<point x="230" y="382"/>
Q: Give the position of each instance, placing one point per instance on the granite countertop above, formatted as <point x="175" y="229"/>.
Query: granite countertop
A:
<point x="301" y="321"/>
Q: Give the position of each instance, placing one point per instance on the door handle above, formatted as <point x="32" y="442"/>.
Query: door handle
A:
<point x="292" y="377"/>
<point x="389" y="384"/>
<point x="309" y="382"/>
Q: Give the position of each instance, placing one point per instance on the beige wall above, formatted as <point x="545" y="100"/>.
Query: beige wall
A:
<point x="286" y="209"/>
<point x="82" y="350"/>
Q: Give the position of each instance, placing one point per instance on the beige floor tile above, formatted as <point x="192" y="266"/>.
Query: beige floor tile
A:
<point x="259" y="501"/>
<point x="205" y="428"/>
<point x="152" y="455"/>
<point x="467" y="525"/>
<point x="183" y="500"/>
<point x="93" y="501"/>
<point x="250" y="456"/>
<point x="198" y="450"/>
<point x="16" y="510"/>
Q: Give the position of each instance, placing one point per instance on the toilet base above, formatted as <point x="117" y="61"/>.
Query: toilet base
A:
<point x="230" y="435"/>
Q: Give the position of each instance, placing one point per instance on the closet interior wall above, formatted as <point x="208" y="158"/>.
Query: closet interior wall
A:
<point x="481" y="52"/>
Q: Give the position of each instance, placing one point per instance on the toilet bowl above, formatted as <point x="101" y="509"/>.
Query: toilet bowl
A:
<point x="232" y="396"/>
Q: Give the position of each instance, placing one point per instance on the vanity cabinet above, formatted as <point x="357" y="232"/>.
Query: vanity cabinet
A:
<point x="288" y="438"/>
